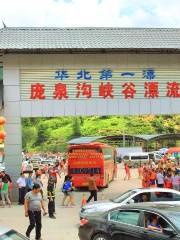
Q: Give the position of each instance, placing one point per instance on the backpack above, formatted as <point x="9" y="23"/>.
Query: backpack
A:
<point x="66" y="186"/>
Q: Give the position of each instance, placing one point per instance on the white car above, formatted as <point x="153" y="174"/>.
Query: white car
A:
<point x="8" y="234"/>
<point x="159" y="195"/>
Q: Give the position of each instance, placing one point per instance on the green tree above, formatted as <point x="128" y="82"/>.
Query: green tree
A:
<point x="76" y="129"/>
<point x="29" y="137"/>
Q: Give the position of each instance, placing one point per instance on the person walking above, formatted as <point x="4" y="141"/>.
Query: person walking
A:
<point x="51" y="198"/>
<point x="168" y="180"/>
<point x="4" y="192"/>
<point x="22" y="188"/>
<point x="92" y="188"/>
<point x="160" y="178"/>
<point x="71" y="193"/>
<point x="153" y="177"/>
<point x="53" y="175"/>
<point x="176" y="181"/>
<point x="146" y="178"/>
<point x="46" y="168"/>
<point x="10" y="184"/>
<point x="66" y="188"/>
<point x="29" y="183"/>
<point x="33" y="205"/>
<point x="37" y="180"/>
<point x="127" y="172"/>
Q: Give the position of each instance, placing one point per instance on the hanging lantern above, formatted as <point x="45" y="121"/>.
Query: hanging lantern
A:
<point x="2" y="135"/>
<point x="2" y="121"/>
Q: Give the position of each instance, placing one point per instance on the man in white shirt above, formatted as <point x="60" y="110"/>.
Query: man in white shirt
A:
<point x="22" y="188"/>
<point x="160" y="178"/>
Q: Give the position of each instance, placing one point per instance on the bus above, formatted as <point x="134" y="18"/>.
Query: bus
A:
<point x="92" y="158"/>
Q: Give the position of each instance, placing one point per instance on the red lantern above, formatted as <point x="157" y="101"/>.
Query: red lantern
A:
<point x="2" y="135"/>
<point x="2" y="120"/>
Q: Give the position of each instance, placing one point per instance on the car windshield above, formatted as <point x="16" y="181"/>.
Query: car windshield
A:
<point x="123" y="196"/>
<point x="12" y="235"/>
<point x="175" y="219"/>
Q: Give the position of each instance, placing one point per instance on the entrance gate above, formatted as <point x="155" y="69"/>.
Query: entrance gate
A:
<point x="54" y="75"/>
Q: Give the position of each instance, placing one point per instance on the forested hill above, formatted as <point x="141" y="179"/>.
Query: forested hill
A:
<point x="52" y="134"/>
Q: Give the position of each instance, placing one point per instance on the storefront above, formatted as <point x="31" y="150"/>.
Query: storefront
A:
<point x="50" y="72"/>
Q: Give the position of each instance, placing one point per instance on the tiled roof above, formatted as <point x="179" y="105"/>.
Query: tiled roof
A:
<point x="89" y="38"/>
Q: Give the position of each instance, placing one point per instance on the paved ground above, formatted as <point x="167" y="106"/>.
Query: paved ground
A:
<point x="65" y="227"/>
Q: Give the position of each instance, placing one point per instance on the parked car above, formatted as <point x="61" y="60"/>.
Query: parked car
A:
<point x="10" y="234"/>
<point x="159" y="195"/>
<point x="48" y="161"/>
<point x="36" y="162"/>
<point x="44" y="163"/>
<point x="136" y="159"/>
<point x="133" y="222"/>
<point x="155" y="156"/>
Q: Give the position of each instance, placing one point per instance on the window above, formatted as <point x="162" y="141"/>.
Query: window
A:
<point x="127" y="217"/>
<point x="175" y="218"/>
<point x="123" y="196"/>
<point x="108" y="153"/>
<point x="85" y="150"/>
<point x="176" y="197"/>
<point x="161" y="222"/>
<point x="142" y="197"/>
<point x="162" y="196"/>
<point x="139" y="157"/>
<point x="11" y="235"/>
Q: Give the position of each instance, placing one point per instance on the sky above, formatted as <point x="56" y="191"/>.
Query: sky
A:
<point x="90" y="13"/>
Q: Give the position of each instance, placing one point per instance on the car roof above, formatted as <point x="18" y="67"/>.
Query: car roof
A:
<point x="139" y="190"/>
<point x="4" y="230"/>
<point x="160" y="207"/>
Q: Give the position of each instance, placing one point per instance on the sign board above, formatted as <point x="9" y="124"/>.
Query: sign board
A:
<point x="69" y="84"/>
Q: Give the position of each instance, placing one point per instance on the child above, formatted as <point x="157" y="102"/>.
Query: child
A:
<point x="5" y="192"/>
<point x="51" y="198"/>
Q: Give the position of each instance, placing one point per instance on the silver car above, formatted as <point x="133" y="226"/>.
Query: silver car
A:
<point x="159" y="195"/>
<point x="10" y="234"/>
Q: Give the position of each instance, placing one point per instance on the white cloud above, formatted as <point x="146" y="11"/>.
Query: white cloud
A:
<point x="82" y="13"/>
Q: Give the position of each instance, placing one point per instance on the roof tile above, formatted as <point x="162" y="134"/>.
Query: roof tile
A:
<point x="89" y="38"/>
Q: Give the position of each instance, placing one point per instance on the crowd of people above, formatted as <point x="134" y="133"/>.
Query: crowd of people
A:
<point x="26" y="181"/>
<point x="163" y="174"/>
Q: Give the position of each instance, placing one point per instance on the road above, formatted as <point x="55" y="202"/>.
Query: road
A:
<point x="65" y="226"/>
